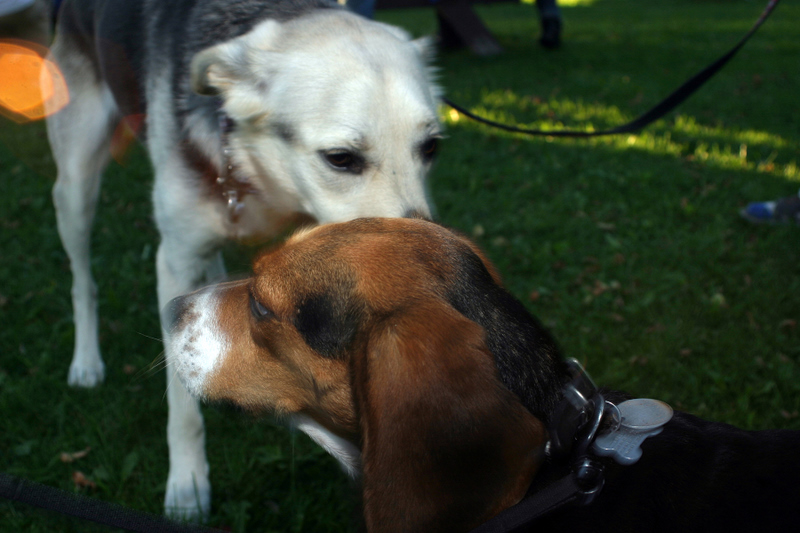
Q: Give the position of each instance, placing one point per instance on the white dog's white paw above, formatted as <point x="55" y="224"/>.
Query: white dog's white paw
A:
<point x="188" y="500"/>
<point x="86" y="375"/>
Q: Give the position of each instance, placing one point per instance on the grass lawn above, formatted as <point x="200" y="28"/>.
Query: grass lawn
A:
<point x="629" y="248"/>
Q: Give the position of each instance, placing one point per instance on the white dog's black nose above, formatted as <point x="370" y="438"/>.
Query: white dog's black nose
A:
<point x="413" y="213"/>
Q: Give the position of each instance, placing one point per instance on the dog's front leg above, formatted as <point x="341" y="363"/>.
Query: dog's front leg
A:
<point x="80" y="137"/>
<point x="188" y="494"/>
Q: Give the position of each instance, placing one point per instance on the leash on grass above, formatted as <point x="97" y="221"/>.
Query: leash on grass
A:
<point x="20" y="490"/>
<point x="665" y="106"/>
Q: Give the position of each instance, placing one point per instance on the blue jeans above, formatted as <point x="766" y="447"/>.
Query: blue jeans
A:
<point x="365" y="8"/>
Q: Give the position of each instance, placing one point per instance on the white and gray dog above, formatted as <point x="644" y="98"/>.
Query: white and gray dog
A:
<point x="257" y="112"/>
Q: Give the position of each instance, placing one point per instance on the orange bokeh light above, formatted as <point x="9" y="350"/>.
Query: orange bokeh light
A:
<point x="31" y="87"/>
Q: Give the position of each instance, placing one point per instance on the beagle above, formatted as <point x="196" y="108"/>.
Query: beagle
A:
<point x="392" y="344"/>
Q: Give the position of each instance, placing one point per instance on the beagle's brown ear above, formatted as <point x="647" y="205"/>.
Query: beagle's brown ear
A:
<point x="445" y="445"/>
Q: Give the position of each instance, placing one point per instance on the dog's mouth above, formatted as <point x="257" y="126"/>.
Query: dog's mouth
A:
<point x="226" y="405"/>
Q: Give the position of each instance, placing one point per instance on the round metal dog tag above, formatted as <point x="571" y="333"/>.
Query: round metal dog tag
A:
<point x="644" y="414"/>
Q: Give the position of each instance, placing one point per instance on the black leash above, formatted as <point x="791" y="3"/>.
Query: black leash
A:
<point x="110" y="514"/>
<point x="561" y="493"/>
<point x="661" y="109"/>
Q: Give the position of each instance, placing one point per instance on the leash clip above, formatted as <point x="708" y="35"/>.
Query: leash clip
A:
<point x="574" y="429"/>
<point x="590" y="478"/>
<point x="579" y="406"/>
<point x="589" y="472"/>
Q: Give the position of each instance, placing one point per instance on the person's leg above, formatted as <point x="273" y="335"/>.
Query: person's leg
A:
<point x="780" y="211"/>
<point x="550" y="17"/>
<point x="26" y="20"/>
<point x="365" y="8"/>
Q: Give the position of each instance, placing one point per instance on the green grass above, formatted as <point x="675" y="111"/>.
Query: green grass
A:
<point x="629" y="248"/>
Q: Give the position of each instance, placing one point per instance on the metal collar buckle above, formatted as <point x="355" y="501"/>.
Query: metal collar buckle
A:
<point x="574" y="428"/>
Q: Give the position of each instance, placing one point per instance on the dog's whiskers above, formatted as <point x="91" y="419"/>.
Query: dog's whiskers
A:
<point x="146" y="336"/>
<point x="157" y="364"/>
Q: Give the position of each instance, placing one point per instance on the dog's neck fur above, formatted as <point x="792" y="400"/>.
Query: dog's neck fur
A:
<point x="528" y="360"/>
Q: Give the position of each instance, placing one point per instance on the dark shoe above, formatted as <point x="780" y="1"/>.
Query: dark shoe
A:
<point x="551" y="33"/>
<point x="782" y="211"/>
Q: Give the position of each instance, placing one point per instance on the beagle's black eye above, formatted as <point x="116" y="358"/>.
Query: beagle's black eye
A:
<point x="258" y="310"/>
<point x="429" y="148"/>
<point x="344" y="161"/>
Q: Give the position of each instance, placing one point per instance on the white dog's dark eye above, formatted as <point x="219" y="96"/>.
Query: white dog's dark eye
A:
<point x="259" y="310"/>
<point x="344" y="160"/>
<point x="429" y="148"/>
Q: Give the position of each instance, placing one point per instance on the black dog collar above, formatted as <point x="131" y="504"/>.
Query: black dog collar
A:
<point x="581" y="419"/>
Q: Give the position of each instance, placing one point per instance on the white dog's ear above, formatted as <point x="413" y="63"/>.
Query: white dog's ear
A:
<point x="399" y="33"/>
<point x="426" y="48"/>
<point x="215" y="70"/>
<point x="206" y="72"/>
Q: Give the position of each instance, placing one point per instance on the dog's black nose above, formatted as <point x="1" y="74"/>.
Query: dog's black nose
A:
<point x="413" y="213"/>
<point x="174" y="312"/>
